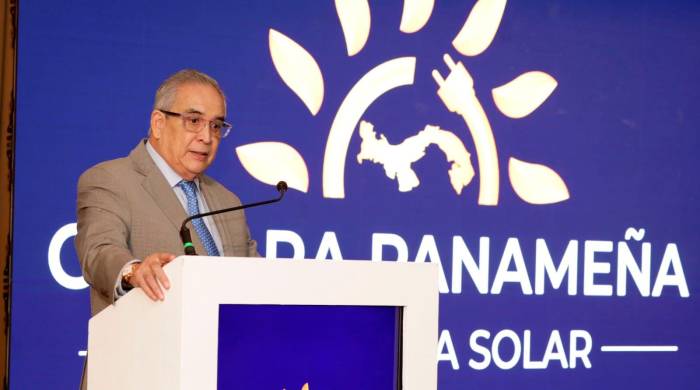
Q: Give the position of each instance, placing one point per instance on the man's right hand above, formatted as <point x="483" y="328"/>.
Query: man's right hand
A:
<point x="149" y="276"/>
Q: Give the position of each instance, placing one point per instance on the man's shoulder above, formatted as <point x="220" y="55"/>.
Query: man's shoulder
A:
<point x="118" y="167"/>
<point x="121" y="168"/>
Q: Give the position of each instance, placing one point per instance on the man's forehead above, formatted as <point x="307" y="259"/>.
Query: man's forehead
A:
<point x="199" y="99"/>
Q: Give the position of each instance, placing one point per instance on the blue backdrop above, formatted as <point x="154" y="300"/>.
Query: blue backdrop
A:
<point x="619" y="130"/>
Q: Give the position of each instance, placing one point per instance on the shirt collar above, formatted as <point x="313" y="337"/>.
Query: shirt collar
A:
<point x="170" y="175"/>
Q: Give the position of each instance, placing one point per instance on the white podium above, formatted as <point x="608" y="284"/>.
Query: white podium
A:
<point x="140" y="344"/>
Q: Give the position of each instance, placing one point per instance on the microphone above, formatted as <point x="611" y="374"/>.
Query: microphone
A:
<point x="185" y="232"/>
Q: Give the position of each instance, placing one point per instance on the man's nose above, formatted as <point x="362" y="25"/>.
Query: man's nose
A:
<point x="205" y="134"/>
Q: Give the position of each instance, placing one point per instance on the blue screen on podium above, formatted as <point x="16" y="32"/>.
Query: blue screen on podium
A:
<point x="303" y="346"/>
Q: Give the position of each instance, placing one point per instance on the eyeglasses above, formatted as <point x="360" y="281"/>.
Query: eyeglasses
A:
<point x="194" y="123"/>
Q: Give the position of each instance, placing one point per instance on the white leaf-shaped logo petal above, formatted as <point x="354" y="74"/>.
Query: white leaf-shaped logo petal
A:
<point x="536" y="183"/>
<point x="521" y="96"/>
<point x="298" y="69"/>
<point x="271" y="162"/>
<point x="416" y="14"/>
<point x="355" y="20"/>
<point x="480" y="28"/>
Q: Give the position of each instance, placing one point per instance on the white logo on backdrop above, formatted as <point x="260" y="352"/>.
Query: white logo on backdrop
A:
<point x="534" y="183"/>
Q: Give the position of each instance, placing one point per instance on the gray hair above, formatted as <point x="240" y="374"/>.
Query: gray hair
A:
<point x="167" y="92"/>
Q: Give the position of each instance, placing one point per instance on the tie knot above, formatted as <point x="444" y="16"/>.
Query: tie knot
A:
<point x="188" y="186"/>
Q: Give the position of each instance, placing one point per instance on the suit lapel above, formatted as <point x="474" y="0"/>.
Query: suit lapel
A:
<point x="157" y="187"/>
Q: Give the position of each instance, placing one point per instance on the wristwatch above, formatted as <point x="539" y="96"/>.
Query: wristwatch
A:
<point x="127" y="274"/>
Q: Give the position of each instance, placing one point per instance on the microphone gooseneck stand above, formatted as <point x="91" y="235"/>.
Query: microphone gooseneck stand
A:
<point x="185" y="235"/>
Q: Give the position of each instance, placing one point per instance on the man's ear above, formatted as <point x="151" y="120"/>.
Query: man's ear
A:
<point x="157" y="124"/>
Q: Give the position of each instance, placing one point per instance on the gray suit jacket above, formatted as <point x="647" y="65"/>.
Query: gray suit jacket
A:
<point x="127" y="210"/>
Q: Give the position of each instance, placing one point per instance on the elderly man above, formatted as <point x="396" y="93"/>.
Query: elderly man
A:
<point x="130" y="209"/>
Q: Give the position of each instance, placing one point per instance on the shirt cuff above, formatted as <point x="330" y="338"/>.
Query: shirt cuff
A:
<point x="118" y="289"/>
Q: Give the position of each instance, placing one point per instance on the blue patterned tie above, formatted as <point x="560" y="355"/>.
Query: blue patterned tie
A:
<point x="190" y="189"/>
